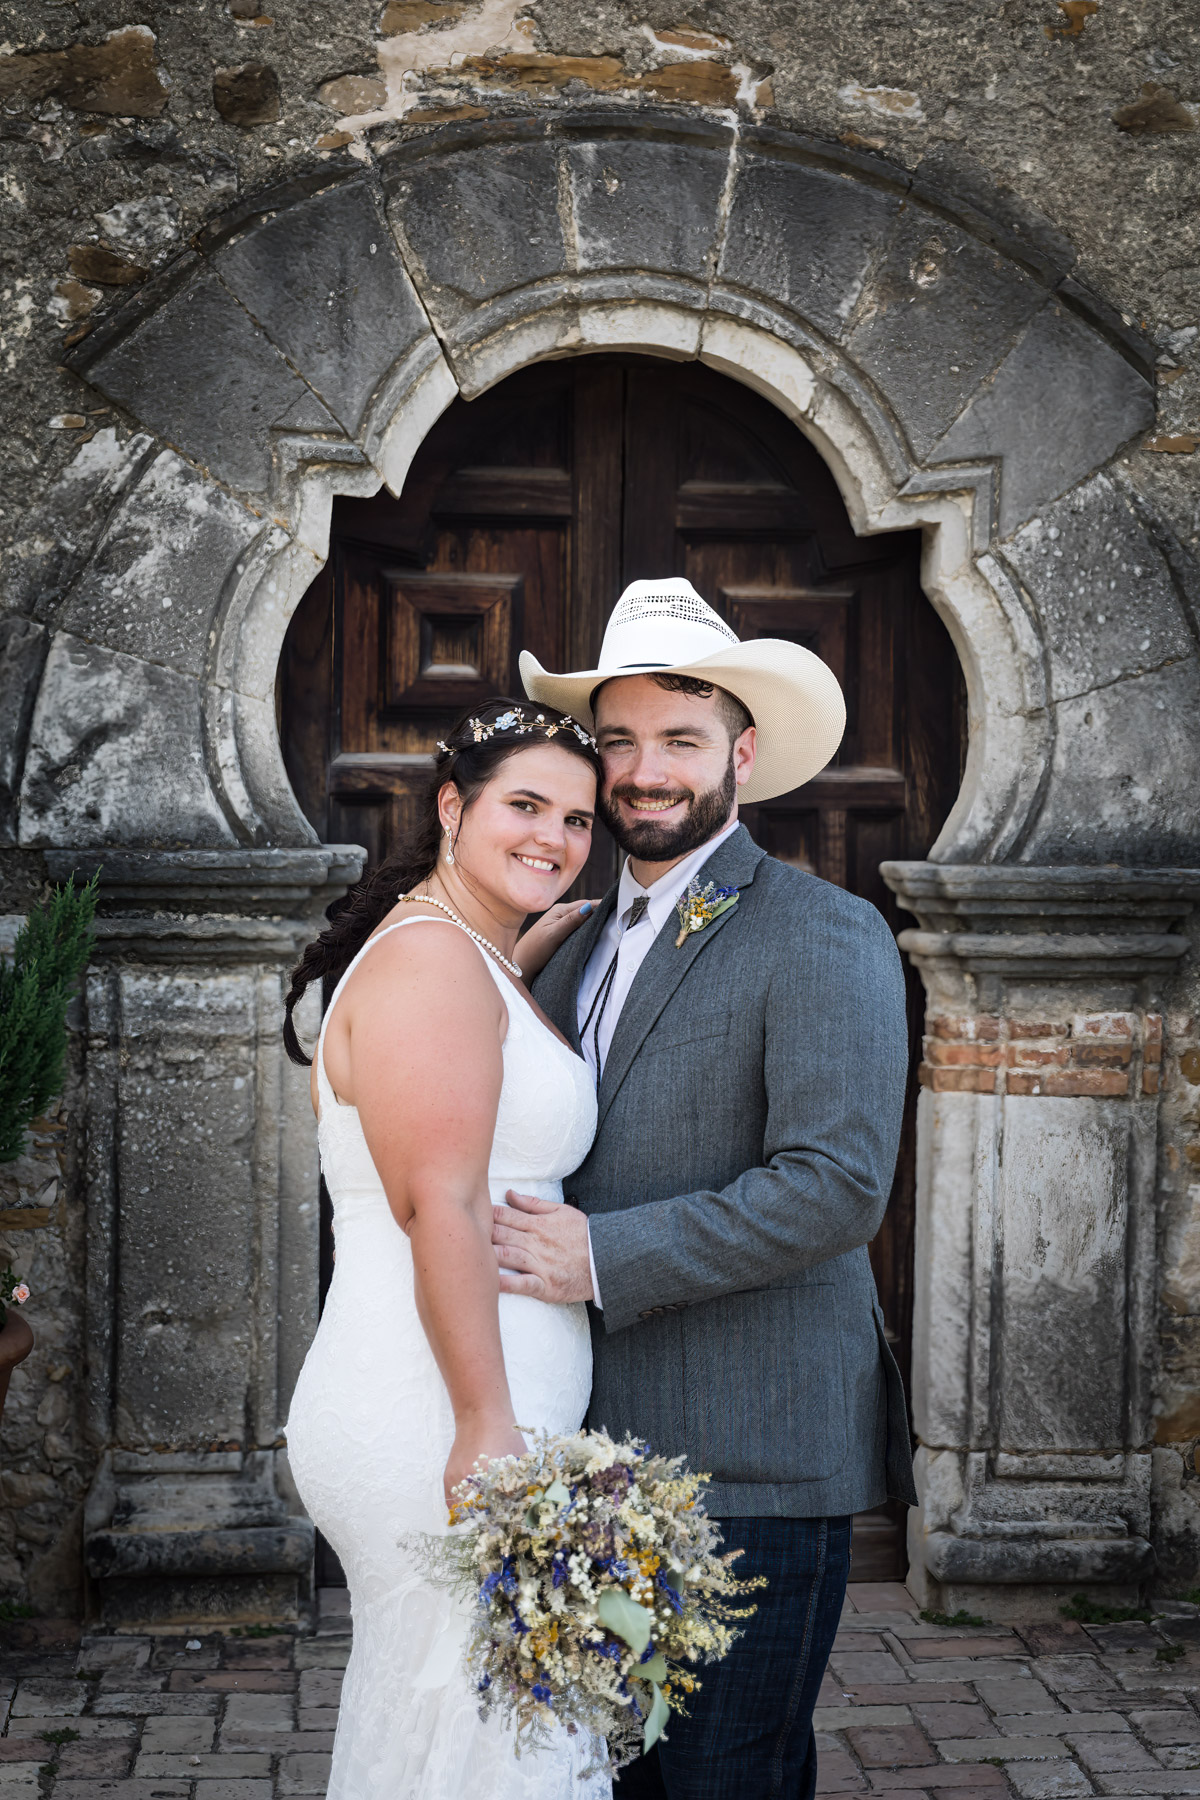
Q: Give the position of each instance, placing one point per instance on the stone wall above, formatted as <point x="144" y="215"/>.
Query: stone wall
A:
<point x="47" y="1461"/>
<point x="961" y="164"/>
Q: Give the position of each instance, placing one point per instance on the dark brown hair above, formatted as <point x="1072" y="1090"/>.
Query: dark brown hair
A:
<point x="470" y="764"/>
<point x="735" y="717"/>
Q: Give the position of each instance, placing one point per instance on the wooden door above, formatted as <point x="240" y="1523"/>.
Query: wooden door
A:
<point x="525" y="513"/>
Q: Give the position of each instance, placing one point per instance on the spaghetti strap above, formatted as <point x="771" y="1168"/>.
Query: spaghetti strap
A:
<point x="324" y="1085"/>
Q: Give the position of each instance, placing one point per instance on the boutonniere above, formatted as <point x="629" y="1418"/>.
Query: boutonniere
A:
<point x="698" y="906"/>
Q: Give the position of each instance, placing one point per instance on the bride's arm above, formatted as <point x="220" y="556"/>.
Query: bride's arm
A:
<point x="425" y="1056"/>
<point x="536" y="946"/>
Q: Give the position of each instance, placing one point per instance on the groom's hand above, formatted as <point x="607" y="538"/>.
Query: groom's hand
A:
<point x="542" y="1248"/>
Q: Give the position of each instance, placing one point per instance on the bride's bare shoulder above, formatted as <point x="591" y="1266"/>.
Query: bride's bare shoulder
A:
<point x="434" y="957"/>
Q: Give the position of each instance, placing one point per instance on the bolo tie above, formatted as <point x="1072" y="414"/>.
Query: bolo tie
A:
<point x="600" y="998"/>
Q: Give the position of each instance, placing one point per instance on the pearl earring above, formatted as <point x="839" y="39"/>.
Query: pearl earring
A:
<point x="449" y="846"/>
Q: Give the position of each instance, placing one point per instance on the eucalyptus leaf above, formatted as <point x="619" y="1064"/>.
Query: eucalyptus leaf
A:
<point x="660" y="1712"/>
<point x="558" y="1493"/>
<point x="625" y="1618"/>
<point x="655" y="1669"/>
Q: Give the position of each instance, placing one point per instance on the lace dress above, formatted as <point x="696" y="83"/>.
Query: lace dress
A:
<point x="371" y="1427"/>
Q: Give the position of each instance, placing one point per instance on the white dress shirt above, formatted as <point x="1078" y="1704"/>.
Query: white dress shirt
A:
<point x="631" y="946"/>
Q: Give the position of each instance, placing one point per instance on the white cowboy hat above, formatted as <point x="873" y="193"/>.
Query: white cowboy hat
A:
<point x="665" y="627"/>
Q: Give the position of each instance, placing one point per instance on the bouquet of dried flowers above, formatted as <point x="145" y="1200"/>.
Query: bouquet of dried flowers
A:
<point x="597" y="1585"/>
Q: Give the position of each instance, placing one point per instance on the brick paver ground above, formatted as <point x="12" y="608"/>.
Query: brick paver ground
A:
<point x="908" y="1708"/>
<point x="952" y="1712"/>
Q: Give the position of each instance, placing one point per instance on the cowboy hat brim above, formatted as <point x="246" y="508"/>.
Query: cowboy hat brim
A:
<point x="793" y="697"/>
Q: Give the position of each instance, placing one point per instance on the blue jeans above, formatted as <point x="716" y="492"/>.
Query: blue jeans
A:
<point x="750" y="1735"/>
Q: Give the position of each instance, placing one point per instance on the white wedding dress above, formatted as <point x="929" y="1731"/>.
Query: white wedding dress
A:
<point x="371" y="1427"/>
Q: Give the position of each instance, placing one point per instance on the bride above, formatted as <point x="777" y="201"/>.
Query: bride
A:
<point x="439" y="1085"/>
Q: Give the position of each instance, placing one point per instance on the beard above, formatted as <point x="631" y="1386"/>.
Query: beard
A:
<point x="652" y="841"/>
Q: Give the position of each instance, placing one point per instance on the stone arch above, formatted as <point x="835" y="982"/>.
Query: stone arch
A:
<point x="941" y="353"/>
<point x="948" y="365"/>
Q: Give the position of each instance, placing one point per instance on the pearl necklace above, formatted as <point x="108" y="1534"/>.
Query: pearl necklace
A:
<point x="484" y="943"/>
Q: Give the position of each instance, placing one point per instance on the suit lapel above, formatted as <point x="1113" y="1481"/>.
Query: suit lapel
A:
<point x="557" y="988"/>
<point x="732" y="865"/>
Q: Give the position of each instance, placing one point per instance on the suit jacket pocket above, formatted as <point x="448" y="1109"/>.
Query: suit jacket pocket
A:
<point x="677" y="1036"/>
<point x="764" y="1388"/>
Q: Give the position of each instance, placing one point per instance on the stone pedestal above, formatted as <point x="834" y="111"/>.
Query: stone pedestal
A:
<point x="1034" y="1346"/>
<point x="202" y="1228"/>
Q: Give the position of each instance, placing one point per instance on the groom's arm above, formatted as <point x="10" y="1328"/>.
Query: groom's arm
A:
<point x="835" y="1065"/>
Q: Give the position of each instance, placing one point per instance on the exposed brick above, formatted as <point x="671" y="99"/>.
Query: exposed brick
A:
<point x="1152" y="1037"/>
<point x="1037" y="1028"/>
<point x="1104" y="1025"/>
<point x="1150" y="1081"/>
<point x="1070" y="1084"/>
<point x="1100" y="1055"/>
<point x="982" y="1030"/>
<point x="1032" y="1056"/>
<point x="975" y="1056"/>
<point x="958" y="1081"/>
<point x="888" y="1746"/>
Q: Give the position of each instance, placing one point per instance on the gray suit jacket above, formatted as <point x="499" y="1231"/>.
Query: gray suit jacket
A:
<point x="749" y="1117"/>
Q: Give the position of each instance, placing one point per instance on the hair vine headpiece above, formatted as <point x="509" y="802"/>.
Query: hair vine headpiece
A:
<point x="514" y="720"/>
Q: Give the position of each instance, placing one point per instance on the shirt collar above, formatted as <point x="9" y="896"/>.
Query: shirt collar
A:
<point x="663" y="893"/>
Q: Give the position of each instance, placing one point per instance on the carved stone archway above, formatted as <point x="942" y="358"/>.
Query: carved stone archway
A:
<point x="954" y="374"/>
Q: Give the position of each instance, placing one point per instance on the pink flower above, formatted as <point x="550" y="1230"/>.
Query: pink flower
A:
<point x="20" y="1293"/>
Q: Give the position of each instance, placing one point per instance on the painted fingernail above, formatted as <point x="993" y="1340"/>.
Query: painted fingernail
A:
<point x="585" y="909"/>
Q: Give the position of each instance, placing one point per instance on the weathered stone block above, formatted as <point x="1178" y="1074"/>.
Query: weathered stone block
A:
<point x="22" y="652"/>
<point x="804" y="237"/>
<point x="325" y="281"/>
<point x="480" y="221"/>
<point x="1060" y="405"/>
<point x="617" y="189"/>
<point x="942" y="312"/>
<point x="200" y="373"/>
<point x="116" y="754"/>
<point x="156" y="579"/>
<point x="1124" y="774"/>
<point x="60" y="532"/>
<point x="185" y="1326"/>
<point x="1102" y="588"/>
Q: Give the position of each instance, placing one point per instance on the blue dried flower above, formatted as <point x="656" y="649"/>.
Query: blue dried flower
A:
<point x="540" y="1691"/>
<point x="672" y="1597"/>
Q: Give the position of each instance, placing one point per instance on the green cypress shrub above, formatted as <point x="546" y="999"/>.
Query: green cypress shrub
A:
<point x="36" y="984"/>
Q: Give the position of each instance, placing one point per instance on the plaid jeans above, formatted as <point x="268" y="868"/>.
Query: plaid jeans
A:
<point x="750" y="1733"/>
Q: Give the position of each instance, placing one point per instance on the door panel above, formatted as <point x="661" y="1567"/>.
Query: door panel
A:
<point x="524" y="514"/>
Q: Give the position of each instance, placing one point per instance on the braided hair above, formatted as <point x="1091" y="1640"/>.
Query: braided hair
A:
<point x="470" y="756"/>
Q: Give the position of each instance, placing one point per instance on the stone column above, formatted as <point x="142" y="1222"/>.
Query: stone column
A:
<point x="202" y="1228"/>
<point x="1034" y="1337"/>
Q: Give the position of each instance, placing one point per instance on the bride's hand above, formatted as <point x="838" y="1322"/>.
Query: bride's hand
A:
<point x="476" y="1437"/>
<point x="538" y="944"/>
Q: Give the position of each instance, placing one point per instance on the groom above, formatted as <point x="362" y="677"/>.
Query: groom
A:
<point x="750" y="1073"/>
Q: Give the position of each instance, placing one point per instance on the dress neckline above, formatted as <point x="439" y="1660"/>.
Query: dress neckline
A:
<point x="323" y="1081"/>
